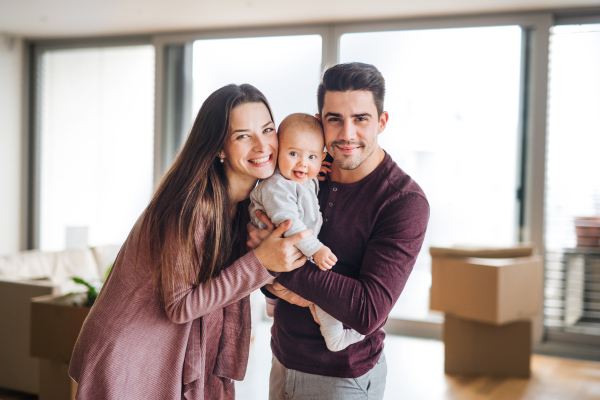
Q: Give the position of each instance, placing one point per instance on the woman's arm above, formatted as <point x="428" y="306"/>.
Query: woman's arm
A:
<point x="184" y="303"/>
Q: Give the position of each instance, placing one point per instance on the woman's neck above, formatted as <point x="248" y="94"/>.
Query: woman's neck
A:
<point x="239" y="189"/>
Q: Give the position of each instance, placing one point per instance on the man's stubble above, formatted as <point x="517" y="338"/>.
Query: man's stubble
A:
<point x="348" y="162"/>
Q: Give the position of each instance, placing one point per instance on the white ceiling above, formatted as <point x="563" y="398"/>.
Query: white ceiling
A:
<point x="70" y="18"/>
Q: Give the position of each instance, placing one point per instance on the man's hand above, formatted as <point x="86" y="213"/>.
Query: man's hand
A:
<point x="313" y="311"/>
<point x="257" y="235"/>
<point x="325" y="169"/>
<point x="278" y="290"/>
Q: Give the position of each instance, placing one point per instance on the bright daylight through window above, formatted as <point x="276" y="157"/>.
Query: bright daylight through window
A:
<point x="97" y="144"/>
<point x="286" y="69"/>
<point x="453" y="99"/>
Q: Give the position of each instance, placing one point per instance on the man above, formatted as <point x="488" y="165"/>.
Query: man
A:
<point x="374" y="221"/>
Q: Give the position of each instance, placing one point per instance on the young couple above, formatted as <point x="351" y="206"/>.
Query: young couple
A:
<point x="173" y="319"/>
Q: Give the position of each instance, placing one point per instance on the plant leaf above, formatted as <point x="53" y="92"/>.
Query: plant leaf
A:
<point x="82" y="282"/>
<point x="107" y="272"/>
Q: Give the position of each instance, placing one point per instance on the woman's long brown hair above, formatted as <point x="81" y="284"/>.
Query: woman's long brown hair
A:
<point x="194" y="197"/>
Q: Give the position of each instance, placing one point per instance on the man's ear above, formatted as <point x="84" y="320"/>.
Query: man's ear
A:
<point x="383" y="120"/>
<point x="318" y="116"/>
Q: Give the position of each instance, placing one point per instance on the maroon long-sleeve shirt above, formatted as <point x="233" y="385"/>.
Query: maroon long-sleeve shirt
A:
<point x="375" y="227"/>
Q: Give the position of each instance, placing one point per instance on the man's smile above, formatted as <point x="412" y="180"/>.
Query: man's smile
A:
<point x="348" y="149"/>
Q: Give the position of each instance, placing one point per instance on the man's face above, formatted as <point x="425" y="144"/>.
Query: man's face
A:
<point x="351" y="126"/>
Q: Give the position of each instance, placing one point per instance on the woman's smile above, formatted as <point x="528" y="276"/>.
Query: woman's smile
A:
<point x="261" y="161"/>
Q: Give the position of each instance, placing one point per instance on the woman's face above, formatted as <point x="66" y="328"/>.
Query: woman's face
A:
<point x="250" y="149"/>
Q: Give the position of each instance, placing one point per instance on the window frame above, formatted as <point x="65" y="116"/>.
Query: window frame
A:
<point x="32" y="139"/>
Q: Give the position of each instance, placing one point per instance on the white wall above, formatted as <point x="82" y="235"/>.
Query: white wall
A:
<point x="11" y="74"/>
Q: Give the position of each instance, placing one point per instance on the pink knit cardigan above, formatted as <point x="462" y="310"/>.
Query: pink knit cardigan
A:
<point x="188" y="344"/>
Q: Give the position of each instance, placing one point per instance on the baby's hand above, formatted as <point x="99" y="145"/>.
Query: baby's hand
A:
<point x="324" y="258"/>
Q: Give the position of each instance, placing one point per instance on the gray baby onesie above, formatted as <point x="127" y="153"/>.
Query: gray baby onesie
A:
<point x="282" y="199"/>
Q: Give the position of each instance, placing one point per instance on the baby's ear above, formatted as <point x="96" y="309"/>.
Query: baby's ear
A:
<point x="324" y="155"/>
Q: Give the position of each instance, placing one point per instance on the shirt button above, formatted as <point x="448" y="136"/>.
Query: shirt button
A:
<point x="326" y="220"/>
<point x="335" y="189"/>
<point x="330" y="204"/>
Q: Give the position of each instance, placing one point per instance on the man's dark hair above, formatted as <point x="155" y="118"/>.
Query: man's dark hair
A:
<point x="353" y="76"/>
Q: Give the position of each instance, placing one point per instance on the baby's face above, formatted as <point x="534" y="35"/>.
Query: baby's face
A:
<point x="300" y="154"/>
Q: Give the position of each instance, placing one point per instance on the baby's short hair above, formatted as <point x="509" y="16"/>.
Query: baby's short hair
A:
<point x="300" y="121"/>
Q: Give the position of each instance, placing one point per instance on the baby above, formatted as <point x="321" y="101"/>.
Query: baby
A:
<point x="291" y="193"/>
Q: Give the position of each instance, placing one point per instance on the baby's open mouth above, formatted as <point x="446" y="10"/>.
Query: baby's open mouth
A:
<point x="299" y="174"/>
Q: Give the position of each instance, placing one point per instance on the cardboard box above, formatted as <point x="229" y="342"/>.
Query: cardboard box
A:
<point x="55" y="383"/>
<point x="494" y="290"/>
<point x="474" y="348"/>
<point x="55" y="326"/>
<point x="523" y="250"/>
<point x="18" y="370"/>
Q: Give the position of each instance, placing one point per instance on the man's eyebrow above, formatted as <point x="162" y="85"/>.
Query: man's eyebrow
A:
<point x="246" y="129"/>
<point x="330" y="114"/>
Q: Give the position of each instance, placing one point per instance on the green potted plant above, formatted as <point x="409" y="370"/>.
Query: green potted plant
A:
<point x="93" y="289"/>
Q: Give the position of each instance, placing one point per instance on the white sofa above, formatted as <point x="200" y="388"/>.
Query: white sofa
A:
<point x="30" y="274"/>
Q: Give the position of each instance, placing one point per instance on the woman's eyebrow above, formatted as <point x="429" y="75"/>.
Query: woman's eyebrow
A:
<point x="246" y="129"/>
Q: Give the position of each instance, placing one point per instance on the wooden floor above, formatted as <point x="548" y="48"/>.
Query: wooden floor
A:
<point x="416" y="372"/>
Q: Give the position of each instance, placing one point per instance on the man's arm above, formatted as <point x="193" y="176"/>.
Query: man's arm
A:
<point x="364" y="303"/>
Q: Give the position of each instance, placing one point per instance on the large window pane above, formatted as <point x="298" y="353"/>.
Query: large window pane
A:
<point x="286" y="69"/>
<point x="453" y="99"/>
<point x="573" y="180"/>
<point x="96" y="133"/>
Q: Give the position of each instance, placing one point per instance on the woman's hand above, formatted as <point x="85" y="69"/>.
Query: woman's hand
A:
<point x="257" y="235"/>
<point x="278" y="254"/>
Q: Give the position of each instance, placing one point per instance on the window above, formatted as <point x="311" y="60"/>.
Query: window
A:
<point x="453" y="98"/>
<point x="286" y="69"/>
<point x="96" y="142"/>
<point x="573" y="180"/>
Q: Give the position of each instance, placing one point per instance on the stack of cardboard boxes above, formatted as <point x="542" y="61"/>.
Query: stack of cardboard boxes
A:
<point x="490" y="297"/>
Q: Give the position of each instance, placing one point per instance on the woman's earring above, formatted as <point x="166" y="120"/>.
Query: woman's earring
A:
<point x="221" y="158"/>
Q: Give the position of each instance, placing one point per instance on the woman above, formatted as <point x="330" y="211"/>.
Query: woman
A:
<point x="173" y="318"/>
